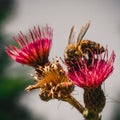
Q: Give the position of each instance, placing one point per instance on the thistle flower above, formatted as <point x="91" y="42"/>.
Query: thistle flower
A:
<point x="33" y="50"/>
<point x="92" y="76"/>
<point x="54" y="83"/>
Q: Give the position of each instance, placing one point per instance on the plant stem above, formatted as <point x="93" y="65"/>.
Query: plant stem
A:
<point x="71" y="100"/>
<point x="86" y="114"/>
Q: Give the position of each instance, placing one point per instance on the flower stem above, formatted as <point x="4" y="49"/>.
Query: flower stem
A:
<point x="86" y="114"/>
<point x="71" y="100"/>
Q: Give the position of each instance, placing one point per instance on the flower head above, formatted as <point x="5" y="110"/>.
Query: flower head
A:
<point x="92" y="76"/>
<point x="53" y="83"/>
<point x="34" y="50"/>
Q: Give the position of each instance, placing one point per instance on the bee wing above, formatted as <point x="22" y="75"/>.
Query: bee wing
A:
<point x="83" y="31"/>
<point x="71" y="36"/>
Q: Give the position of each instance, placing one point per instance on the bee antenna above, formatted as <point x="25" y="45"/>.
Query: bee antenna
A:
<point x="82" y="32"/>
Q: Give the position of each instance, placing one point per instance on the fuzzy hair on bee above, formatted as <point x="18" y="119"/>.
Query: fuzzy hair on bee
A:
<point x="80" y="47"/>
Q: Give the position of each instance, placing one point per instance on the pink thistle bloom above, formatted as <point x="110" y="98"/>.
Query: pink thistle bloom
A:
<point x="35" y="51"/>
<point x="92" y="76"/>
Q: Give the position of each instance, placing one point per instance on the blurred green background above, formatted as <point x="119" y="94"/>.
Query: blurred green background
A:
<point x="10" y="87"/>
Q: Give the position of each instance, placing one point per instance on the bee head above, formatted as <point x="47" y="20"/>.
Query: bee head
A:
<point x="70" y="50"/>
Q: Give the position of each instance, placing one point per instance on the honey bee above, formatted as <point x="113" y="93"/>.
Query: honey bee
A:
<point x="81" y="48"/>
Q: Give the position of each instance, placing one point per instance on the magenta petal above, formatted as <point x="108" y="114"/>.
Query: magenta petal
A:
<point x="36" y="51"/>
<point x="87" y="77"/>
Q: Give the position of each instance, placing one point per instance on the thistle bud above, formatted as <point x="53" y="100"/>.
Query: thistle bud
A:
<point x="94" y="99"/>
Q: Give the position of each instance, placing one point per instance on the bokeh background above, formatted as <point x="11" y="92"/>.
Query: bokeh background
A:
<point x="16" y="15"/>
